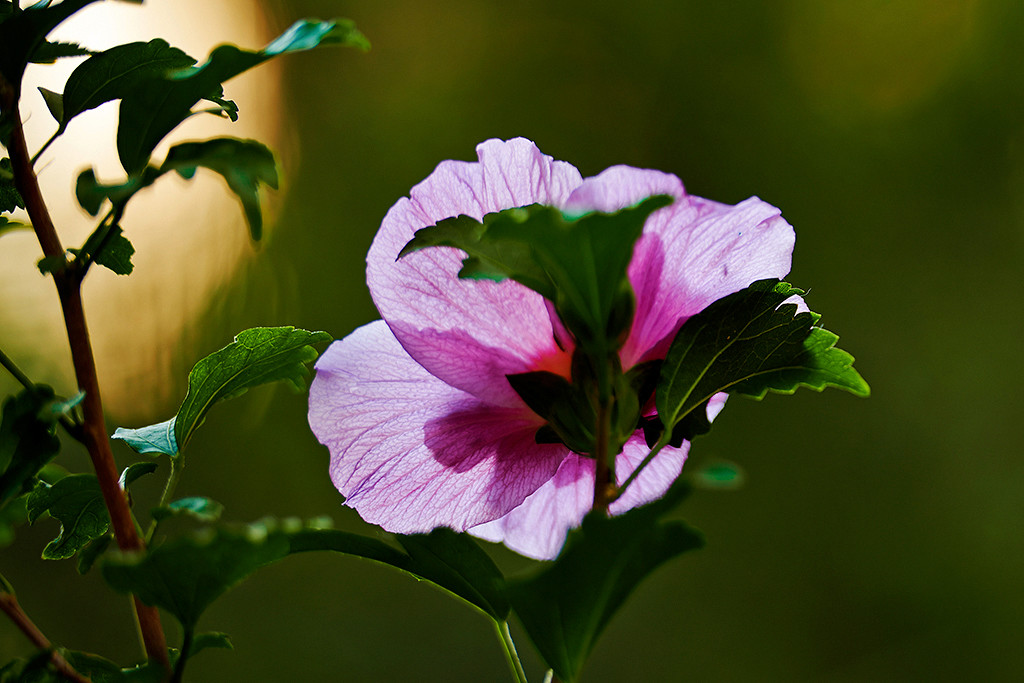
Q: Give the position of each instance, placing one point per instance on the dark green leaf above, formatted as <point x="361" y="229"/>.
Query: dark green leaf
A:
<point x="54" y="103"/>
<point x="115" y="251"/>
<point x="117" y="72"/>
<point x="10" y="198"/>
<point x="158" y="438"/>
<point x="23" y="32"/>
<point x="27" y="439"/>
<point x="92" y="552"/>
<point x="52" y="264"/>
<point x="12" y="515"/>
<point x="7" y="226"/>
<point x="91" y="193"/>
<point x="49" y="52"/>
<point x="566" y="606"/>
<point x="185" y="575"/>
<point x="577" y="263"/>
<point x="134" y="471"/>
<point x="245" y="165"/>
<point x="451" y="561"/>
<point x="745" y="343"/>
<point x="77" y="502"/>
<point x="257" y="356"/>
<point x="211" y="639"/>
<point x="203" y="509"/>
<point x="154" y="108"/>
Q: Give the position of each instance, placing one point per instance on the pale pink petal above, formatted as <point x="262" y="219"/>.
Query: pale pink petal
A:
<point x="469" y="333"/>
<point x="538" y="527"/>
<point x="411" y="453"/>
<point x="692" y="252"/>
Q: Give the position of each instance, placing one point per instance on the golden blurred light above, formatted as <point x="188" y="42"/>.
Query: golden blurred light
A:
<point x="190" y="237"/>
<point x="874" y="57"/>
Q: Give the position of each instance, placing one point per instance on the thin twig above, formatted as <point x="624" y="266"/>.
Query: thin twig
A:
<point x="94" y="430"/>
<point x="9" y="604"/>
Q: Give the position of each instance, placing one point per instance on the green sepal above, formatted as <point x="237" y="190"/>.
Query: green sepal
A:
<point x="565" y="607"/>
<point x="244" y="164"/>
<point x="578" y="263"/>
<point x="76" y="502"/>
<point x="748" y="343"/>
<point x="154" y="108"/>
<point x="196" y="507"/>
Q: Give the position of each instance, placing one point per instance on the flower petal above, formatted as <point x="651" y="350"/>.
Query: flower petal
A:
<point x="468" y="333"/>
<point x="538" y="527"/>
<point x="411" y="453"/>
<point x="692" y="252"/>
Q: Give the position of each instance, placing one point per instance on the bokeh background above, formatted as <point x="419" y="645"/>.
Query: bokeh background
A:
<point x="873" y="540"/>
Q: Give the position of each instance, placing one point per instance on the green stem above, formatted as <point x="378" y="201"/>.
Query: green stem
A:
<point x="177" y="466"/>
<point x="662" y="442"/>
<point x="604" y="472"/>
<point x="510" y="652"/>
<point x="35" y="157"/>
<point x="10" y="366"/>
<point x="183" y="654"/>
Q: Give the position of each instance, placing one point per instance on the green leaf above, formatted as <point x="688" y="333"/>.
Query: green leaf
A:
<point x="92" y="551"/>
<point x="720" y="475"/>
<point x="451" y="561"/>
<point x="245" y="165"/>
<point x="210" y="640"/>
<point x="116" y="254"/>
<point x="154" y="108"/>
<point x="257" y="356"/>
<point x="203" y="509"/>
<point x="577" y="263"/>
<point x="115" y="73"/>
<point x="746" y="343"/>
<point x="134" y="471"/>
<point x="565" y="607"/>
<point x="10" y="198"/>
<point x="48" y="52"/>
<point x="22" y="33"/>
<point x="12" y="515"/>
<point x="91" y="193"/>
<point x="185" y="575"/>
<point x="7" y="226"/>
<point x="158" y="438"/>
<point x="54" y="103"/>
<point x="27" y="439"/>
<point x="77" y="502"/>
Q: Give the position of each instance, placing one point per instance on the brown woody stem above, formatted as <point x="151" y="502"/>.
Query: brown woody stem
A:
<point x="68" y="280"/>
<point x="10" y="606"/>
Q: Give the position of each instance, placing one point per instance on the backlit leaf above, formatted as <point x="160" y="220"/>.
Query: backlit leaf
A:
<point x="77" y="503"/>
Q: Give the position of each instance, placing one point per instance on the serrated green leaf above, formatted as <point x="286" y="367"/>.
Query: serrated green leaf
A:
<point x="10" y="198"/>
<point x="22" y="33"/>
<point x="27" y="440"/>
<point x="451" y="561"/>
<point x="158" y="438"/>
<point x="115" y="254"/>
<point x="48" y="52"/>
<point x="244" y="164"/>
<point x="115" y="73"/>
<point x="154" y="108"/>
<point x="203" y="509"/>
<point x="565" y="607"/>
<point x="132" y="473"/>
<point x="77" y="503"/>
<point x="185" y="575"/>
<point x="257" y="356"/>
<point x="745" y="343"/>
<point x="577" y="263"/>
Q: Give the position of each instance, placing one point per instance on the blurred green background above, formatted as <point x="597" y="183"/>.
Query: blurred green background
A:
<point x="874" y="540"/>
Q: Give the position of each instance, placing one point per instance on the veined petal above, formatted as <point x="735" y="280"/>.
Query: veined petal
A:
<point x="468" y="333"/>
<point x="538" y="527"/>
<point x="411" y="453"/>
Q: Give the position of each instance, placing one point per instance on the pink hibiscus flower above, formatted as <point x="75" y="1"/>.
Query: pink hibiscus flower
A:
<point x="423" y="427"/>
